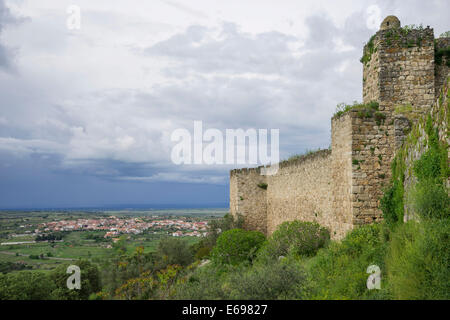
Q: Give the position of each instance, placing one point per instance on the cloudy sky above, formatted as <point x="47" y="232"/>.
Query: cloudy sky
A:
<point x="86" y="115"/>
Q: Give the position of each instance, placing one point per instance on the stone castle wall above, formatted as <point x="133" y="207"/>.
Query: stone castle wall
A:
<point x="371" y="71"/>
<point x="341" y="188"/>
<point x="300" y="191"/>
<point x="371" y="156"/>
<point x="247" y="198"/>
<point x="342" y="176"/>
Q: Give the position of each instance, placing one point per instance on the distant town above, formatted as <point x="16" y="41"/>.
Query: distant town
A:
<point x="115" y="226"/>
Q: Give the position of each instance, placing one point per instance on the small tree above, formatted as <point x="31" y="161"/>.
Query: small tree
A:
<point x="90" y="281"/>
<point x="173" y="251"/>
<point x="236" y="246"/>
<point x="120" y="245"/>
<point x="274" y="280"/>
<point x="216" y="227"/>
<point x="25" y="285"/>
<point x="298" y="238"/>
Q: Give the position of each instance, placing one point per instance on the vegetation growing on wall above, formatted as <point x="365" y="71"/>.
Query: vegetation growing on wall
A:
<point x="367" y="110"/>
<point x="263" y="185"/>
<point x="299" y="156"/>
<point x="407" y="111"/>
<point x="392" y="201"/>
<point x="402" y="33"/>
<point x="410" y="27"/>
<point x="429" y="196"/>
<point x="390" y="35"/>
<point x="440" y="53"/>
<point x="369" y="50"/>
<point x="403" y="109"/>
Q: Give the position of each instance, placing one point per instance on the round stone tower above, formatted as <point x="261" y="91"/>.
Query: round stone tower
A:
<point x="398" y="67"/>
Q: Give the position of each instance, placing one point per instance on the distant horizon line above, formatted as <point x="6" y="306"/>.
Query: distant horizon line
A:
<point x="131" y="207"/>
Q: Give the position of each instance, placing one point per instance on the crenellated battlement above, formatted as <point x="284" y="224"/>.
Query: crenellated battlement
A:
<point x="285" y="163"/>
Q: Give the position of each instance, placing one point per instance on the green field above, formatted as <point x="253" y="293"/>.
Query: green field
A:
<point x="74" y="246"/>
<point x="89" y="245"/>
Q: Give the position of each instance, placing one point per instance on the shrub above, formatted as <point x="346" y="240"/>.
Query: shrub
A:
<point x="339" y="271"/>
<point x="431" y="165"/>
<point x="275" y="280"/>
<point x="205" y="283"/>
<point x="430" y="200"/>
<point x="430" y="197"/>
<point x="118" y="270"/>
<point x="364" y="110"/>
<point x="8" y="266"/>
<point x="90" y="281"/>
<point x="297" y="238"/>
<point x="418" y="260"/>
<point x="202" y="253"/>
<point x="392" y="203"/>
<point x="26" y="285"/>
<point x="236" y="246"/>
<point x="217" y="226"/>
<point x="173" y="251"/>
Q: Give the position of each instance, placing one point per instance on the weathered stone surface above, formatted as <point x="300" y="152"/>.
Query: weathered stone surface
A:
<point x="390" y="22"/>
